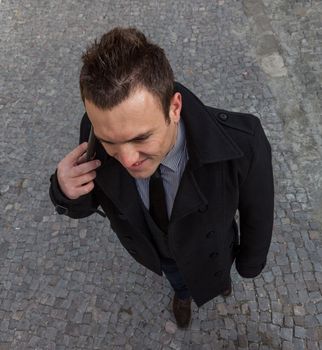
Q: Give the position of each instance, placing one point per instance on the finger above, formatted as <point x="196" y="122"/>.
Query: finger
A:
<point x="76" y="192"/>
<point x="82" y="159"/>
<point x="76" y="153"/>
<point x="84" y="179"/>
<point x="85" y="189"/>
<point x="84" y="168"/>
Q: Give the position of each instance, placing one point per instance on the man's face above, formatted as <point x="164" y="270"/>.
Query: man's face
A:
<point x="135" y="132"/>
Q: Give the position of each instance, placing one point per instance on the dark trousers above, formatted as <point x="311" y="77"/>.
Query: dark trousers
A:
<point x="175" y="278"/>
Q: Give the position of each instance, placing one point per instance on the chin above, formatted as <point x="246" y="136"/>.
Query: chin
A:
<point x="140" y="174"/>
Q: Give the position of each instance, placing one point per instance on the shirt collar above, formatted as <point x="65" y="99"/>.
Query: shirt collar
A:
<point x="172" y="159"/>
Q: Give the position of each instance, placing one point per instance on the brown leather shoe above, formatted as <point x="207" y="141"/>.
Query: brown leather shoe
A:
<point x="227" y="291"/>
<point x="182" y="311"/>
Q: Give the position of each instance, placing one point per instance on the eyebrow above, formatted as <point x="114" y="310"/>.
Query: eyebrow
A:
<point x="136" y="138"/>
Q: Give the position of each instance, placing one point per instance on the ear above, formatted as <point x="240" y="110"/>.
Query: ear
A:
<point x="175" y="107"/>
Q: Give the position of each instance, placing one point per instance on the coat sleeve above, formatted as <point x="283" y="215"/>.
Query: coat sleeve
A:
<point x="74" y="208"/>
<point x="256" y="208"/>
<point x="82" y="206"/>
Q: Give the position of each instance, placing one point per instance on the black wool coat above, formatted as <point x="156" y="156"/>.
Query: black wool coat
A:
<point x="229" y="169"/>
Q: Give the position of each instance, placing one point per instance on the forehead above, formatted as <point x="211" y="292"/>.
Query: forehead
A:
<point x="138" y="114"/>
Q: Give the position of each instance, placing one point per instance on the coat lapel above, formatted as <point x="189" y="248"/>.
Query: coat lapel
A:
<point x="189" y="198"/>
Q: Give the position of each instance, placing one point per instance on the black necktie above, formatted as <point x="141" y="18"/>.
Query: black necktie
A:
<point x="158" y="207"/>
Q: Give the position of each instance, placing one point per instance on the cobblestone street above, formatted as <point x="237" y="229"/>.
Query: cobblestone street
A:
<point x="68" y="284"/>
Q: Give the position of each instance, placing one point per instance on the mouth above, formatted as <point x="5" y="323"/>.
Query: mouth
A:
<point x="137" y="165"/>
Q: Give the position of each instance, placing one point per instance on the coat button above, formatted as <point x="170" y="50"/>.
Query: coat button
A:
<point x="130" y="238"/>
<point x="210" y="234"/>
<point x="213" y="254"/>
<point x="223" y="116"/>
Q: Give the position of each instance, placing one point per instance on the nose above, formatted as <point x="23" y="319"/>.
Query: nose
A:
<point x="127" y="155"/>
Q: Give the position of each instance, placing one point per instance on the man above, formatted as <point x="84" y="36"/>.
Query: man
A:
<point x="169" y="172"/>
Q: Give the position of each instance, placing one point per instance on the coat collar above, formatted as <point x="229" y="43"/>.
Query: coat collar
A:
<point x="207" y="141"/>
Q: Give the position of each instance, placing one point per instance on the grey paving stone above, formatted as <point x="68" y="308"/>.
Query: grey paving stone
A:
<point x="287" y="334"/>
<point x="287" y="345"/>
<point x="299" y="332"/>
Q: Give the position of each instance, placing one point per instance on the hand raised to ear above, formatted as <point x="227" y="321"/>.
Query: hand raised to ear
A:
<point x="75" y="178"/>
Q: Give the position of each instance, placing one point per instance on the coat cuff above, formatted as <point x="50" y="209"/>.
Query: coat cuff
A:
<point x="60" y="201"/>
<point x="74" y="208"/>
